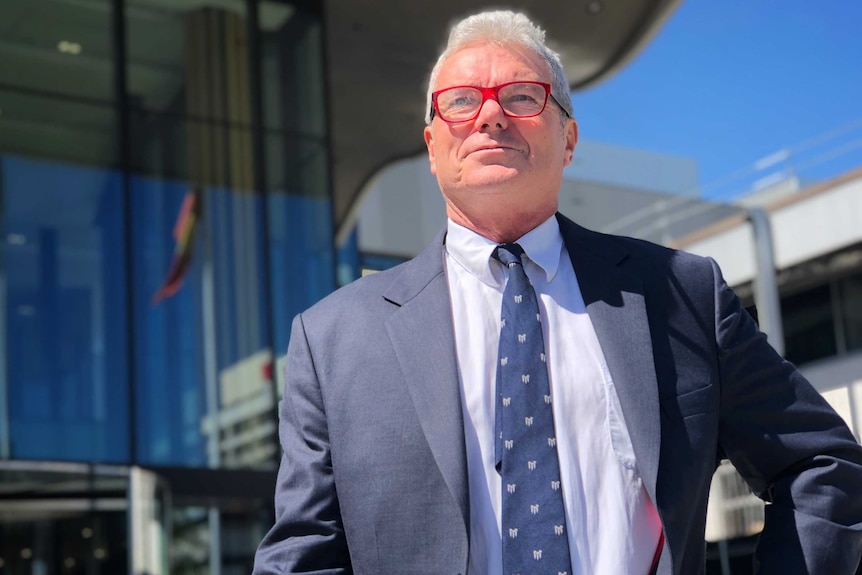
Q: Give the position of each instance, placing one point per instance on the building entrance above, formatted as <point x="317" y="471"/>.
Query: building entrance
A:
<point x="79" y="519"/>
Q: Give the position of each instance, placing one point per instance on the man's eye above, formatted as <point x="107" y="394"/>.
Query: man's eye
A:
<point x="462" y="102"/>
<point x="521" y="98"/>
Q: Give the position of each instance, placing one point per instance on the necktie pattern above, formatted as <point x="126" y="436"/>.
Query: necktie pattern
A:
<point x="533" y="517"/>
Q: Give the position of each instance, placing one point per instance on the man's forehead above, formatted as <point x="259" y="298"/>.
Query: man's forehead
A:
<point x="469" y="64"/>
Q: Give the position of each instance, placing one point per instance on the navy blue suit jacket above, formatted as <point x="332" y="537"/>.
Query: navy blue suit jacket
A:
<point x="374" y="474"/>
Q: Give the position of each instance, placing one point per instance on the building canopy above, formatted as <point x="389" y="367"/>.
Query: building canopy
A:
<point x="380" y="54"/>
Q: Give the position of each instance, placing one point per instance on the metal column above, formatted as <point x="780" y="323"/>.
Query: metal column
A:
<point x="765" y="285"/>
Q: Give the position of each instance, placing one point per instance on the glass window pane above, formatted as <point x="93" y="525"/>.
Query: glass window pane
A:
<point x="58" y="48"/>
<point x="292" y="70"/>
<point x="58" y="129"/>
<point x="65" y="330"/>
<point x="189" y="58"/>
<point x="809" y="325"/>
<point x="297" y="163"/>
<point x="241" y="533"/>
<point x="205" y="355"/>
<point x="235" y="532"/>
<point x="63" y="256"/>
<point x="851" y="304"/>
<point x="300" y="233"/>
<point x="57" y="89"/>
<point x="204" y="397"/>
<point x="170" y="400"/>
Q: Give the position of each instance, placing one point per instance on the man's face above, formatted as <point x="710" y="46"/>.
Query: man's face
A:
<point x="495" y="162"/>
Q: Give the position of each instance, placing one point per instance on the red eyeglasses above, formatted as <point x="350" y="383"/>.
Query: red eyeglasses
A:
<point x="516" y="99"/>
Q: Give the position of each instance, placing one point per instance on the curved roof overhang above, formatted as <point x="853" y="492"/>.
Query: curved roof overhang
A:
<point x="380" y="53"/>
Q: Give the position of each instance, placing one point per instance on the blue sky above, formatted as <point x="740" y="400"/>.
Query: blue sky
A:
<point x="728" y="82"/>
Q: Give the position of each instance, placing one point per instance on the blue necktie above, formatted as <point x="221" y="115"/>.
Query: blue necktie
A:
<point x="533" y="518"/>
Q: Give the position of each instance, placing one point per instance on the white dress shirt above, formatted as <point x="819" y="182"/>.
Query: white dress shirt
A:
<point x="613" y="527"/>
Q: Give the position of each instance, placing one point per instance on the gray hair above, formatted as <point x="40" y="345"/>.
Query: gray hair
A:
<point x="503" y="27"/>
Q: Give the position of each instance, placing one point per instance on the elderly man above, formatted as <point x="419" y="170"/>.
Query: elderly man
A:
<point x="527" y="396"/>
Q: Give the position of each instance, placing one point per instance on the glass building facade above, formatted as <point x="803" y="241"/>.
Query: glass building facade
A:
<point x="138" y="434"/>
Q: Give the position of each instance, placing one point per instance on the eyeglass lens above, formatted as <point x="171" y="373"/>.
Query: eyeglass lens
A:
<point x="517" y="100"/>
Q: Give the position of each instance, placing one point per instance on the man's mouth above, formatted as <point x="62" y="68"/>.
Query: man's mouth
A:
<point x="493" y="148"/>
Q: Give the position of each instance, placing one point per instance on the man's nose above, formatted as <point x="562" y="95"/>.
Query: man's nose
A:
<point x="491" y="115"/>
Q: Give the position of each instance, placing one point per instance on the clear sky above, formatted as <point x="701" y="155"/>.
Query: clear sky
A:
<point x="728" y="82"/>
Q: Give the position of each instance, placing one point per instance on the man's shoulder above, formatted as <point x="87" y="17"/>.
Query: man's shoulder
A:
<point x="636" y="252"/>
<point x="359" y="293"/>
<point x="378" y="291"/>
<point x="676" y="259"/>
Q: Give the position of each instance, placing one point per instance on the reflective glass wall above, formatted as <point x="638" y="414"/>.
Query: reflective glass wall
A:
<point x="164" y="213"/>
<point x="113" y="115"/>
<point x="63" y="360"/>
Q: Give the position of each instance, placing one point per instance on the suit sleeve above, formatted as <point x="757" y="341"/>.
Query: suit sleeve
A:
<point x="791" y="447"/>
<point x="308" y="536"/>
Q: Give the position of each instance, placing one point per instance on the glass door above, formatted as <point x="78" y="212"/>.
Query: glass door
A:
<point x="80" y="519"/>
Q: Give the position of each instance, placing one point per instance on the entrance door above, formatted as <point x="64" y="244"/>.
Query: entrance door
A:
<point x="80" y="519"/>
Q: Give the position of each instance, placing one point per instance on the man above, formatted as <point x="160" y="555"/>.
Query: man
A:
<point x="413" y="397"/>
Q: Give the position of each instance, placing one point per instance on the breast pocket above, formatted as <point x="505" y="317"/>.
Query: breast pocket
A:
<point x="691" y="403"/>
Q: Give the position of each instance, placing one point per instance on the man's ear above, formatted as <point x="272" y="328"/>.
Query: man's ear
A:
<point x="571" y="135"/>
<point x="429" y="143"/>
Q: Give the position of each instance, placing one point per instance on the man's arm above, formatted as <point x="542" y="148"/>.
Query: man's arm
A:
<point x="308" y="536"/>
<point x="791" y="447"/>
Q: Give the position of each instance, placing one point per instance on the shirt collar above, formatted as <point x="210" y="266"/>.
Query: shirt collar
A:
<point x="543" y="246"/>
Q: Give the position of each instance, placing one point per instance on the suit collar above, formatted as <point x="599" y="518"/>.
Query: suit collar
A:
<point x="416" y="274"/>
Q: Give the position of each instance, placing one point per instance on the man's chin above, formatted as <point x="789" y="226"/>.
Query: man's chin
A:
<point x="492" y="178"/>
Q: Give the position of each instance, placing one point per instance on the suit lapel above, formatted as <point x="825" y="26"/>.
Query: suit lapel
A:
<point x="422" y="334"/>
<point x="616" y="305"/>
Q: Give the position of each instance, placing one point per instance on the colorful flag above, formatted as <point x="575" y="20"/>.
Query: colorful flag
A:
<point x="184" y="235"/>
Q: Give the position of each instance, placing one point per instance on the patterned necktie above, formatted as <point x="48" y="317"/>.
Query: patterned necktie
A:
<point x="534" y="521"/>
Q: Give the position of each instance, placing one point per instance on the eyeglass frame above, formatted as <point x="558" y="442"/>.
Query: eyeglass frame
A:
<point x="493" y="93"/>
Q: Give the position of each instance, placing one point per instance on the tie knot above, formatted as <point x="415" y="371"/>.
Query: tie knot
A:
<point x="508" y="254"/>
